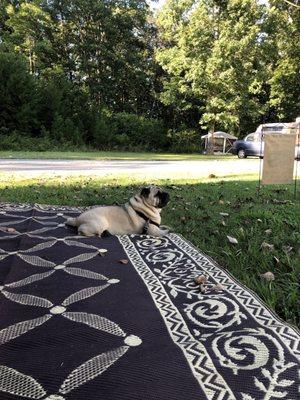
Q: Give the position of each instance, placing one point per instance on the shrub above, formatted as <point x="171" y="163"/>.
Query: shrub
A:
<point x="102" y="136"/>
<point x="18" y="95"/>
<point x="134" y="132"/>
<point x="124" y="131"/>
<point x="64" y="110"/>
<point x="184" y="141"/>
<point x="17" y="142"/>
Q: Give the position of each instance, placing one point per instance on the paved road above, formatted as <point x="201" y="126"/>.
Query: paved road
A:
<point x="151" y="169"/>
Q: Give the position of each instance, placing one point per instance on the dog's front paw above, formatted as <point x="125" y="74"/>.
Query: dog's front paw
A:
<point x="166" y="228"/>
<point x="162" y="232"/>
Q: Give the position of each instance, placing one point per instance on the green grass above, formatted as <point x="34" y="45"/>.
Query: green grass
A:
<point x="194" y="212"/>
<point x="108" y="155"/>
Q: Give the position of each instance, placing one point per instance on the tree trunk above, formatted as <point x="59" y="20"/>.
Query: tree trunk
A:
<point x="211" y="141"/>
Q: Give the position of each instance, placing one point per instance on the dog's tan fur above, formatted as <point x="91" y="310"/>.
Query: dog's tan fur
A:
<point x="124" y="220"/>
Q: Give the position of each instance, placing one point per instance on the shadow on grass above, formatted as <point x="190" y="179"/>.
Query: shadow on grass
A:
<point x="111" y="155"/>
<point x="194" y="211"/>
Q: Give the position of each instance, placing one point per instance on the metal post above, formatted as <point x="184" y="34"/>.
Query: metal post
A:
<point x="296" y="178"/>
<point x="260" y="166"/>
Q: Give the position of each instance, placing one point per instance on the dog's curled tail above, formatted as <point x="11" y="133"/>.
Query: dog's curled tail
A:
<point x="71" y="221"/>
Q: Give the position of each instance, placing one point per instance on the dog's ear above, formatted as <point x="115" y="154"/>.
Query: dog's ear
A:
<point x="145" y="192"/>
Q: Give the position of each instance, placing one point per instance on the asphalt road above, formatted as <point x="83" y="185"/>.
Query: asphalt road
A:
<point x="150" y="169"/>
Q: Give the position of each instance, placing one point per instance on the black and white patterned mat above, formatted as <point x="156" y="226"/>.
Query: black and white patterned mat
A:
<point x="75" y="324"/>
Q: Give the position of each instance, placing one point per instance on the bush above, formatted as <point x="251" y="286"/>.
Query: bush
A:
<point x="17" y="142"/>
<point x="124" y="131"/>
<point x="102" y="134"/>
<point x="18" y="95"/>
<point x="64" y="110"/>
<point x="184" y="141"/>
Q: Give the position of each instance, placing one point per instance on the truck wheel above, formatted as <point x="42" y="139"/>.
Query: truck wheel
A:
<point x="242" y="153"/>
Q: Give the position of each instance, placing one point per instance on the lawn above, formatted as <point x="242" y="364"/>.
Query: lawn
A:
<point x="109" y="155"/>
<point x="194" y="211"/>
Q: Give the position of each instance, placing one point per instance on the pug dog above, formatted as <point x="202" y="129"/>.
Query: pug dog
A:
<point x="141" y="215"/>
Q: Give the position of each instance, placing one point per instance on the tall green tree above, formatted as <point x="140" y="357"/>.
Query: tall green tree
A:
<point x="29" y="33"/>
<point x="216" y="53"/>
<point x="104" y="45"/>
<point x="285" y="82"/>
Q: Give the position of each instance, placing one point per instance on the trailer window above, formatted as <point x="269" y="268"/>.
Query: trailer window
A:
<point x="272" y="129"/>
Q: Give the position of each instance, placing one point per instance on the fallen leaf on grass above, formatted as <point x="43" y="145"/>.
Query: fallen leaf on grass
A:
<point x="124" y="261"/>
<point x="232" y="240"/>
<point x="223" y="223"/>
<point x="224" y="214"/>
<point x="218" y="287"/>
<point x="268" y="232"/>
<point x="259" y="220"/>
<point x="287" y="249"/>
<point x="268" y="276"/>
<point x="267" y="246"/>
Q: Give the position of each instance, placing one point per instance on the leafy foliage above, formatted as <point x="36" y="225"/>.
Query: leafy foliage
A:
<point x="17" y="96"/>
<point x="110" y="74"/>
<point x="235" y="60"/>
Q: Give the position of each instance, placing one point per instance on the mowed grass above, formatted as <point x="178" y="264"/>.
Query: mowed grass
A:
<point x="194" y="212"/>
<point x="110" y="155"/>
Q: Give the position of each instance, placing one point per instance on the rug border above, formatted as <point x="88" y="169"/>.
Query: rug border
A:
<point x="44" y="207"/>
<point x="255" y="295"/>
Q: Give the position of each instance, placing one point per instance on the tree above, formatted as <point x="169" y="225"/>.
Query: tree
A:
<point x="285" y="83"/>
<point x="29" y="33"/>
<point x="103" y="45"/>
<point x="18" y="96"/>
<point x="216" y="52"/>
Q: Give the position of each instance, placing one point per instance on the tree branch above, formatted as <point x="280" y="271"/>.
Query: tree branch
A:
<point x="292" y="4"/>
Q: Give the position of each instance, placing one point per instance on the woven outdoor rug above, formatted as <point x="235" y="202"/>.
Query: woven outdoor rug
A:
<point x="78" y="325"/>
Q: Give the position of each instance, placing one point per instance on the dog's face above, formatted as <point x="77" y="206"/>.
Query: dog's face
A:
<point x="155" y="196"/>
